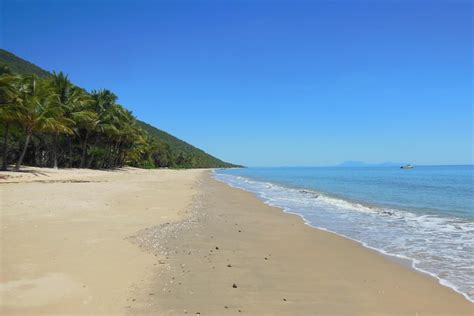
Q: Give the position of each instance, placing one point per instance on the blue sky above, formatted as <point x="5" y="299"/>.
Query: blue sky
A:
<point x="269" y="83"/>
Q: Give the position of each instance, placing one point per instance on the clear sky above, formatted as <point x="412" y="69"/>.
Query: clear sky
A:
<point x="267" y="83"/>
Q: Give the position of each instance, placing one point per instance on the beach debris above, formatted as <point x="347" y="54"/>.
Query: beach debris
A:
<point x="234" y="286"/>
<point x="229" y="266"/>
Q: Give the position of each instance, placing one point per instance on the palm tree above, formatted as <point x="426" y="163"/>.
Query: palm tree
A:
<point x="39" y="111"/>
<point x="8" y="103"/>
<point x="76" y="104"/>
<point x="102" y="126"/>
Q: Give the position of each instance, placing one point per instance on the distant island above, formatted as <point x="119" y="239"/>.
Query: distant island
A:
<point x="47" y="121"/>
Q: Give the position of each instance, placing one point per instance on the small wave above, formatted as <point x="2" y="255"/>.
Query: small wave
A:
<point x="439" y="246"/>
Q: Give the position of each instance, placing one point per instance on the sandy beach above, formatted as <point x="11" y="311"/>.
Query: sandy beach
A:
<point x="167" y="242"/>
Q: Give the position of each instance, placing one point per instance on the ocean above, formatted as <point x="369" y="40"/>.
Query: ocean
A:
<point x="425" y="214"/>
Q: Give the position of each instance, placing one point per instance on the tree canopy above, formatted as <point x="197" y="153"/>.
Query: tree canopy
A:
<point x="48" y="121"/>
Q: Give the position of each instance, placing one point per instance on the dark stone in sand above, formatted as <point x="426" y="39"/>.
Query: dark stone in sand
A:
<point x="229" y="265"/>
<point x="226" y="306"/>
<point x="240" y="231"/>
<point x="234" y="286"/>
<point x="284" y="299"/>
<point x="151" y="294"/>
<point x="217" y="248"/>
<point x="266" y="258"/>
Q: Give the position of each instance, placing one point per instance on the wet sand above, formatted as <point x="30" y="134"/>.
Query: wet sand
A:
<point x="163" y="242"/>
<point x="240" y="256"/>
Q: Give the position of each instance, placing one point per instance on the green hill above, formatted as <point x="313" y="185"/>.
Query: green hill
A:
<point x="183" y="155"/>
<point x="20" y="66"/>
<point x="199" y="158"/>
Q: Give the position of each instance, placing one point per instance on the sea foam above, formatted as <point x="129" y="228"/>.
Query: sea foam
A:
<point x="440" y="246"/>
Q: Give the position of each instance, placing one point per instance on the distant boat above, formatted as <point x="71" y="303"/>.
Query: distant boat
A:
<point x="407" y="167"/>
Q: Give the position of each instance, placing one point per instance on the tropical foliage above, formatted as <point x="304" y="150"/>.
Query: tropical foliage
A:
<point x="48" y="121"/>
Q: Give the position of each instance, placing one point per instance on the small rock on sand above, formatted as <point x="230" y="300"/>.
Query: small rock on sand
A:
<point x="234" y="286"/>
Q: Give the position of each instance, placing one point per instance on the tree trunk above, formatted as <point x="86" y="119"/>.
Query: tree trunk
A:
<point x="5" y="148"/>
<point x="113" y="156"/>
<point x="55" y="151"/>
<point x="84" y="151"/>
<point x="105" y="157"/>
<point x="23" y="152"/>
<point x="110" y="148"/>
<point x="91" y="159"/>
<point x="69" y="146"/>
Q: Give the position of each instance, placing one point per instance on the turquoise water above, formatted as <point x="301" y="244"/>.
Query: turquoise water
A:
<point x="425" y="214"/>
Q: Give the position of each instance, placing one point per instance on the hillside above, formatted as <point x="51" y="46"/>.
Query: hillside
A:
<point x="183" y="155"/>
<point x="20" y="66"/>
<point x="200" y="158"/>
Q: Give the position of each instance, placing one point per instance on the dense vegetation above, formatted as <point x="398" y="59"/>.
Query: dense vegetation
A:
<point x="21" y="66"/>
<point x="45" y="120"/>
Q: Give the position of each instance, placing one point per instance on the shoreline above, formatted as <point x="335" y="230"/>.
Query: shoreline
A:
<point x="398" y="258"/>
<point x="196" y="278"/>
<point x="175" y="242"/>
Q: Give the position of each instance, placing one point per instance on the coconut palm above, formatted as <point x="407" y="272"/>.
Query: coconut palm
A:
<point x="39" y="111"/>
<point x="76" y="104"/>
<point x="8" y="110"/>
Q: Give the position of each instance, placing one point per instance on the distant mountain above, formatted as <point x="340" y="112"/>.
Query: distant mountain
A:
<point x="365" y="164"/>
<point x="191" y="156"/>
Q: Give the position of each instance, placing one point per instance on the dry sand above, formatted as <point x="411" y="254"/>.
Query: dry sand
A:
<point x="175" y="242"/>
<point x="63" y="236"/>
